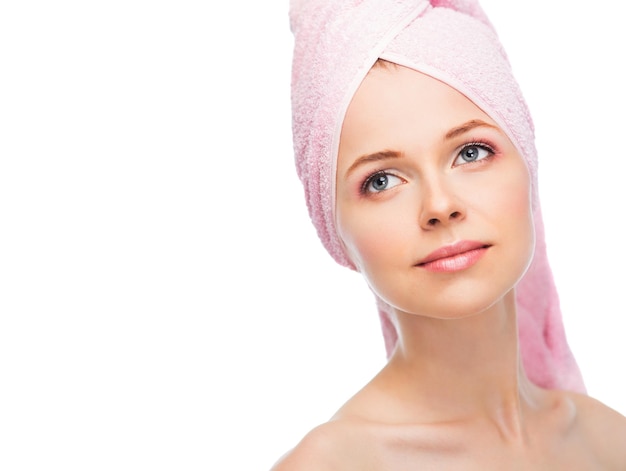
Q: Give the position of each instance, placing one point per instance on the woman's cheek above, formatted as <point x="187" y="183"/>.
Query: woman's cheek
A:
<point x="507" y="193"/>
<point x="519" y="198"/>
<point x="369" y="237"/>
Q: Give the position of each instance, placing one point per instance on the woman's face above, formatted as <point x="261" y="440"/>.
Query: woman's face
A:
<point x="433" y="201"/>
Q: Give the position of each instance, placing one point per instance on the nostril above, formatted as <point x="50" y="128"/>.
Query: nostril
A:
<point x="433" y="221"/>
<point x="455" y="215"/>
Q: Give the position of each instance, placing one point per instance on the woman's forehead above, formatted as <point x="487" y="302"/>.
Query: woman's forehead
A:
<point x="410" y="89"/>
<point x="397" y="103"/>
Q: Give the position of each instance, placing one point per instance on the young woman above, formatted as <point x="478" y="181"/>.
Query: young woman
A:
<point x="417" y="155"/>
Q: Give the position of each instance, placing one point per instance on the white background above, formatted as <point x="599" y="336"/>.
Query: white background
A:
<point x="164" y="300"/>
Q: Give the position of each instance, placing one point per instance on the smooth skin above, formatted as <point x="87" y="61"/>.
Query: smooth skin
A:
<point x="421" y="167"/>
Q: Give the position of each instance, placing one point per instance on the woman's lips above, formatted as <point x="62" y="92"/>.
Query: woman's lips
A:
<point x="455" y="257"/>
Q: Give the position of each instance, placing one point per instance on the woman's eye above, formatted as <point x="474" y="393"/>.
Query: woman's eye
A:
<point x="472" y="153"/>
<point x="380" y="182"/>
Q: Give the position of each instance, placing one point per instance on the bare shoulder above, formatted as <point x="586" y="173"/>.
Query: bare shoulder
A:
<point x="327" y="447"/>
<point x="605" y="429"/>
<point x="598" y="417"/>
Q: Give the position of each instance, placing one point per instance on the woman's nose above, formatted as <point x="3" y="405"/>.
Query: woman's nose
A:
<point x="440" y="206"/>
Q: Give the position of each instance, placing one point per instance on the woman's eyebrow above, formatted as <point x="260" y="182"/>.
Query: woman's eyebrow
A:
<point x="466" y="127"/>
<point x="391" y="154"/>
<point x="375" y="157"/>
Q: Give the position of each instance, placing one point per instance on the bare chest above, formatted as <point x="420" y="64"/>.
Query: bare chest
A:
<point x="467" y="452"/>
<point x="484" y="460"/>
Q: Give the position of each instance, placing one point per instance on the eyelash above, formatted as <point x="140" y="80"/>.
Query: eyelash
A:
<point x="364" y="190"/>
<point x="483" y="145"/>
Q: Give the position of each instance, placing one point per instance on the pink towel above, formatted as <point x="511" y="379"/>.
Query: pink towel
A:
<point x="336" y="43"/>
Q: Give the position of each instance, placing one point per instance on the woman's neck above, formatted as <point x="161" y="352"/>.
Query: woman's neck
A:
<point x="463" y="369"/>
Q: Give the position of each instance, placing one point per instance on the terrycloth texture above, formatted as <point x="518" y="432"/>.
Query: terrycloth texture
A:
<point x="336" y="43"/>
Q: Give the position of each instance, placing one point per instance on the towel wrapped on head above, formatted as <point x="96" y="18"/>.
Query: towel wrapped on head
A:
<point x="336" y="44"/>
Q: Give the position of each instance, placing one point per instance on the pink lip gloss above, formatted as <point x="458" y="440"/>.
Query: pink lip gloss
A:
<point x="460" y="261"/>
